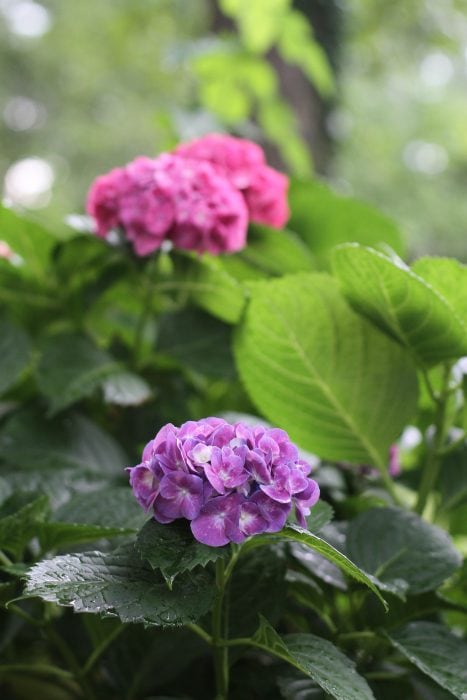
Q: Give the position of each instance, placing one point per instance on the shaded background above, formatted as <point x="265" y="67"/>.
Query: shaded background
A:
<point x="370" y="95"/>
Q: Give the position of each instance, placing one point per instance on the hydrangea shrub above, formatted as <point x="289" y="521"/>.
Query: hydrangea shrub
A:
<point x="310" y="538"/>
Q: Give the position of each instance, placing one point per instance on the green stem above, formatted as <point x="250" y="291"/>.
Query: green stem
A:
<point x="196" y="629"/>
<point x="220" y="651"/>
<point x="38" y="669"/>
<point x="432" y="467"/>
<point x="97" y="653"/>
<point x="70" y="659"/>
<point x="6" y="561"/>
<point x="145" y="311"/>
<point x="390" y="486"/>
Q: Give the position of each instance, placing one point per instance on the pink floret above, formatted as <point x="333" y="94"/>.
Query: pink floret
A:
<point x="243" y="163"/>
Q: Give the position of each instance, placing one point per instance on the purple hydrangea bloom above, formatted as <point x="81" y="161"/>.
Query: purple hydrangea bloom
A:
<point x="229" y="481"/>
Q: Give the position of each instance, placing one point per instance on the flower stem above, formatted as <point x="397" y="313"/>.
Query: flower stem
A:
<point x="149" y="289"/>
<point x="433" y="464"/>
<point x="220" y="651"/>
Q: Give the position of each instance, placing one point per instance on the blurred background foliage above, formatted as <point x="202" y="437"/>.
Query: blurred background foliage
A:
<point x="369" y="94"/>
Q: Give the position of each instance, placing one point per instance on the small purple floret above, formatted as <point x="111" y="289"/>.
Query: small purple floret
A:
<point x="229" y="481"/>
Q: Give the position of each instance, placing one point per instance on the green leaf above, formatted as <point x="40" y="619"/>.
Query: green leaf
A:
<point x="14" y="353"/>
<point x="30" y="441"/>
<point x="210" y="286"/>
<point x="298" y="46"/>
<point x="110" y="507"/>
<point x="339" y="387"/>
<point x="269" y="253"/>
<point x="400" y="303"/>
<point x="435" y="651"/>
<point x="449" y="278"/>
<point x="71" y="368"/>
<point x="318" y="659"/>
<point x="298" y="534"/>
<point x="173" y="549"/>
<point x="17" y="529"/>
<point x="403" y="551"/>
<point x="293" y="687"/>
<point x="57" y="535"/>
<point x="325" y="219"/>
<point x="120" y="583"/>
<point x="317" y="565"/>
<point x="259" y="22"/>
<point x="126" y="389"/>
<point x="258" y="586"/>
<point x="197" y="341"/>
<point x="453" y="479"/>
<point x="321" y="514"/>
<point x="28" y="240"/>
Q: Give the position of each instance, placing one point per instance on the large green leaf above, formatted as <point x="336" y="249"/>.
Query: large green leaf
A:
<point x="318" y="565"/>
<point x="14" y="353"/>
<point x="111" y="507"/>
<point x="121" y="583"/>
<point x="403" y="551"/>
<point x="325" y="219"/>
<point x="448" y="277"/>
<point x="27" y="239"/>
<point x="206" y="281"/>
<point x="56" y="535"/>
<point x="401" y="303"/>
<point x="258" y="586"/>
<point x="318" y="659"/>
<point x="30" y="441"/>
<point x="172" y="548"/>
<point x="198" y="341"/>
<point x="436" y="652"/>
<point x="295" y="533"/>
<point x="19" y="522"/>
<point x="71" y="367"/>
<point x="339" y="387"/>
<point x="269" y="253"/>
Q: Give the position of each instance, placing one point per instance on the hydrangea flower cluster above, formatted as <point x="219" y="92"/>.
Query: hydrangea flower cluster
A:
<point x="243" y="163"/>
<point x="200" y="198"/>
<point x="230" y="481"/>
<point x="169" y="197"/>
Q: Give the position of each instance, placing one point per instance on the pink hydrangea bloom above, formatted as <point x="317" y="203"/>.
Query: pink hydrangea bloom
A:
<point x="244" y="164"/>
<point x="170" y="197"/>
<point x="229" y="481"/>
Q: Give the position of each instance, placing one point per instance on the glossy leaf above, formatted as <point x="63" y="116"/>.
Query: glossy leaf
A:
<point x="14" y="353"/>
<point x="339" y="387"/>
<point x="172" y="548"/>
<point x="403" y="551"/>
<point x="400" y="303"/>
<point x="437" y="652"/>
<point x="120" y="583"/>
<point x="318" y="659"/>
